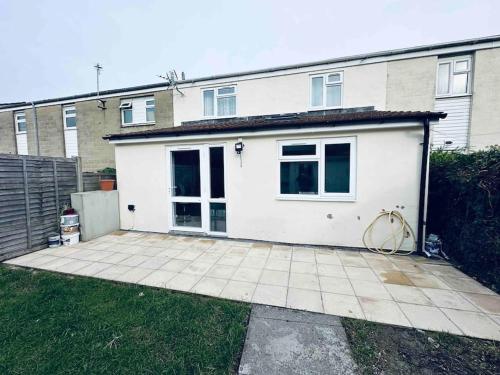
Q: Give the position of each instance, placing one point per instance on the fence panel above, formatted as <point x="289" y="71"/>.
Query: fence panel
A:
<point x="33" y="191"/>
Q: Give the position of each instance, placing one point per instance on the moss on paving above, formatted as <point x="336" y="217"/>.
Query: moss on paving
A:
<point x="383" y="349"/>
<point x="56" y="324"/>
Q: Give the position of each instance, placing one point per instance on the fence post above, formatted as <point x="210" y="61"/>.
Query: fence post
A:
<point x="79" y="177"/>
<point x="56" y="188"/>
<point x="27" y="203"/>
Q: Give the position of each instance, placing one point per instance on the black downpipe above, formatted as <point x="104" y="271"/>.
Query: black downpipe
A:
<point x="423" y="184"/>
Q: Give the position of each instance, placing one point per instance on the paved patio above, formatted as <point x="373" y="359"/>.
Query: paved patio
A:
<point x="404" y="291"/>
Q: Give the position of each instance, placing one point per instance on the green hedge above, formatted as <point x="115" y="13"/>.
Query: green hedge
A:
<point x="464" y="210"/>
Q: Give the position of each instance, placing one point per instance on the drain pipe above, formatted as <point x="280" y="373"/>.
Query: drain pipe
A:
<point x="422" y="202"/>
<point x="35" y="124"/>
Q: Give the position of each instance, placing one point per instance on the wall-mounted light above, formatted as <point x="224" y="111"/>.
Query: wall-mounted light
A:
<point x="238" y="147"/>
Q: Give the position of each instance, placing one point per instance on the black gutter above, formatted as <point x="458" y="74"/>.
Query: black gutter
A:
<point x="423" y="188"/>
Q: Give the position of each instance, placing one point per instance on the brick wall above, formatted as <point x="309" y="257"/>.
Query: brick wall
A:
<point x="92" y="124"/>
<point x="7" y="133"/>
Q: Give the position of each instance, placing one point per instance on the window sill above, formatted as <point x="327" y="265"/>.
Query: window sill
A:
<point x="311" y="198"/>
<point x="452" y="96"/>
<point x="138" y="124"/>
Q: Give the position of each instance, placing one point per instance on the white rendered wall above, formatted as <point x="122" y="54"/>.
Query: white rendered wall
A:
<point x="388" y="173"/>
<point x="364" y="85"/>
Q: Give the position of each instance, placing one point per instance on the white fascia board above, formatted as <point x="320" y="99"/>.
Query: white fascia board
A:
<point x="266" y="133"/>
<point x="86" y="99"/>
<point x="320" y="67"/>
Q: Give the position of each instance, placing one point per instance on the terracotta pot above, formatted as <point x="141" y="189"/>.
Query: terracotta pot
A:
<point x="107" y="185"/>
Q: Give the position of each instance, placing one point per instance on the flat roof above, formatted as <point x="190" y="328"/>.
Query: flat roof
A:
<point x="429" y="47"/>
<point x="333" y="118"/>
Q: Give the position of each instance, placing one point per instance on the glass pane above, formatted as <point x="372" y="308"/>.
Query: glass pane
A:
<point x="443" y="79"/>
<point x="334" y="78"/>
<point x="187" y="214"/>
<point x="460" y="83"/>
<point x="21" y="117"/>
<point x="298" y="150"/>
<point x="150" y="102"/>
<point x="216" y="172"/>
<point x="317" y="92"/>
<point x="150" y="114"/>
<point x="21" y="126"/>
<point x="299" y="177"/>
<point x="127" y="116"/>
<point x="218" y="217"/>
<point x="208" y="103"/>
<point x="333" y="95"/>
<point x="225" y="90"/>
<point x="461" y="66"/>
<point x="337" y="167"/>
<point x="186" y="173"/>
<point x="226" y="106"/>
<point x="70" y="111"/>
<point x="71" y="122"/>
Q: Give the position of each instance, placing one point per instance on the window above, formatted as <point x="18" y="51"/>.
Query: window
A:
<point x="219" y="102"/>
<point x="20" y="119"/>
<point x="453" y="76"/>
<point x="150" y="110"/>
<point x="138" y="111"/>
<point x="69" y="117"/>
<point x="317" y="169"/>
<point x="326" y="90"/>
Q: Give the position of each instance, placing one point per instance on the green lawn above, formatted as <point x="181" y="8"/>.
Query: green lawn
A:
<point x="55" y="324"/>
<point x="384" y="349"/>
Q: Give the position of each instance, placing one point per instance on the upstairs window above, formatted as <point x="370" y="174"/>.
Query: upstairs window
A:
<point x="317" y="169"/>
<point x="69" y="117"/>
<point x="20" y="119"/>
<point x="219" y="102"/>
<point x="326" y="90"/>
<point x="138" y="111"/>
<point x="453" y="76"/>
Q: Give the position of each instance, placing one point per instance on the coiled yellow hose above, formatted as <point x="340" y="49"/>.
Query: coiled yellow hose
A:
<point x="396" y="237"/>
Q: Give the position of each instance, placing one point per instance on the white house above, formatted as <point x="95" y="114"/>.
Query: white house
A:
<point x="460" y="78"/>
<point x="305" y="178"/>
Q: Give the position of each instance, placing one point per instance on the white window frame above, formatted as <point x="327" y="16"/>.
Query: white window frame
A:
<point x="325" y="85"/>
<point x="452" y="61"/>
<point x="136" y="102"/>
<point x="65" y="116"/>
<point x="320" y="158"/>
<point x="16" y="120"/>
<point x="123" y="106"/>
<point x="149" y="106"/>
<point x="216" y="96"/>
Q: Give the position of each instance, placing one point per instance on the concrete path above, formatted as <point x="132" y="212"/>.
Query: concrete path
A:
<point x="284" y="341"/>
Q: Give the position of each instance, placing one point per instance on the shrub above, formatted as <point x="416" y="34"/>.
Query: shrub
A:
<point x="463" y="209"/>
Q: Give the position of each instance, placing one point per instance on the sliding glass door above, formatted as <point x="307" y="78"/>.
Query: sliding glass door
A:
<point x="197" y="188"/>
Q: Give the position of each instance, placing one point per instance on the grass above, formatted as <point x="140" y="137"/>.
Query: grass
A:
<point x="383" y="349"/>
<point x="56" y="324"/>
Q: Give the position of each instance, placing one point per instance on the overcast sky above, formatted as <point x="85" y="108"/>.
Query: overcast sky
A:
<point x="48" y="48"/>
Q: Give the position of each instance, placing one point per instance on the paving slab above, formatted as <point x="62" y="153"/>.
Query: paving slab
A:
<point x="284" y="341"/>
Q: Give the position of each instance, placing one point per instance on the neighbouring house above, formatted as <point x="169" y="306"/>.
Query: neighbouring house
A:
<point x="460" y="78"/>
<point x="306" y="178"/>
<point x="74" y="126"/>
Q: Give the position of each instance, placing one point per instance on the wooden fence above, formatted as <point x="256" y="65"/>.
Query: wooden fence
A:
<point x="33" y="191"/>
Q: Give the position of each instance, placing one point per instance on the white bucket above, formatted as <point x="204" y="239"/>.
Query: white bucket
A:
<point x="54" y="241"/>
<point x="70" y="239"/>
<point x="69" y="219"/>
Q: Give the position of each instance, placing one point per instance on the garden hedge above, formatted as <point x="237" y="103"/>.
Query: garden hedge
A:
<point x="464" y="210"/>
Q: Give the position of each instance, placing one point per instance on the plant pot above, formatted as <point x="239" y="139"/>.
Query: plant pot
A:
<point x="107" y="185"/>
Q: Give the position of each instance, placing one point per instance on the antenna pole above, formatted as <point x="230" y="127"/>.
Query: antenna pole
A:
<point x="98" y="69"/>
